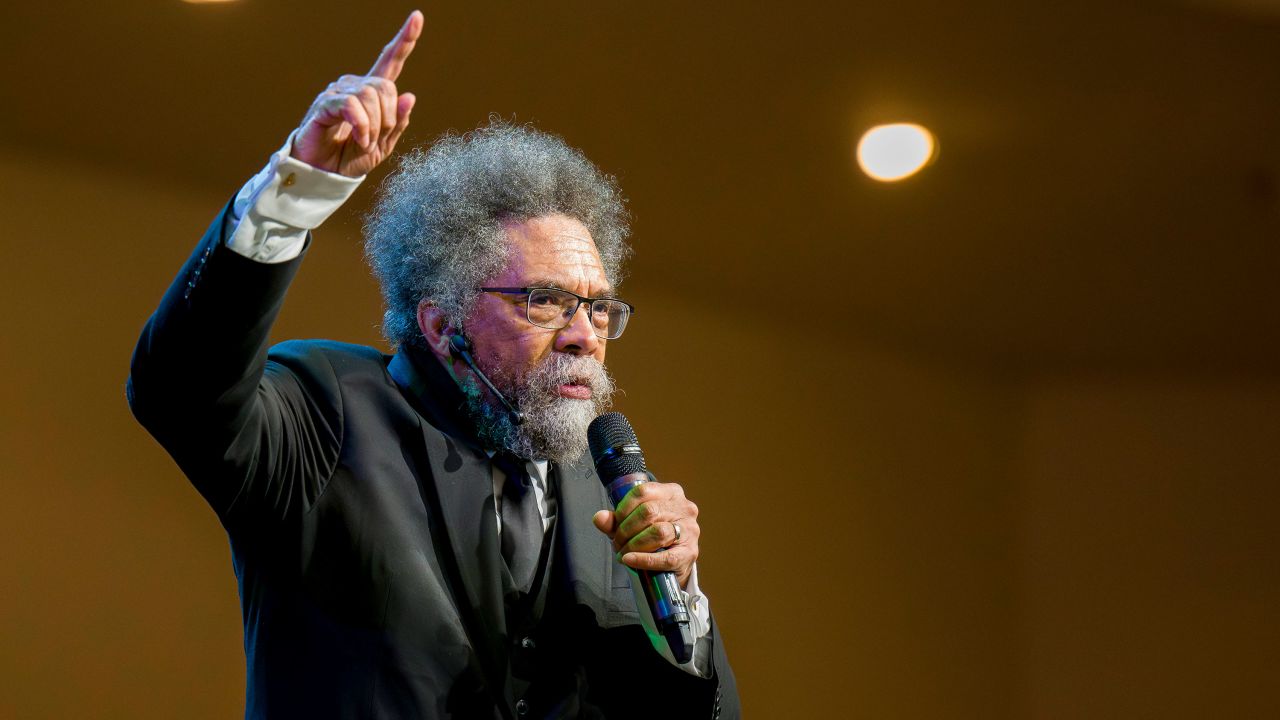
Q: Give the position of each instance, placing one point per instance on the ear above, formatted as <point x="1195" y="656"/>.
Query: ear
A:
<point x="436" y="329"/>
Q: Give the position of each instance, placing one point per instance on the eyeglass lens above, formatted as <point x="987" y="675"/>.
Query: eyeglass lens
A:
<point x="554" y="309"/>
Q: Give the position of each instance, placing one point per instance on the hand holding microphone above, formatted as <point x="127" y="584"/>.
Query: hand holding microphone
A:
<point x="654" y="516"/>
<point x="654" y="527"/>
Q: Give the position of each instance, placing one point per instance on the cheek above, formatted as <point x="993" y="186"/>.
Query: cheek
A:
<point x="519" y="352"/>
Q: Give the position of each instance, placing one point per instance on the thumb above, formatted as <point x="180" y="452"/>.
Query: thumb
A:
<point x="604" y="522"/>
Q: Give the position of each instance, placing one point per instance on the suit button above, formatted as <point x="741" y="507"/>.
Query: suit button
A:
<point x="522" y="707"/>
<point x="527" y="643"/>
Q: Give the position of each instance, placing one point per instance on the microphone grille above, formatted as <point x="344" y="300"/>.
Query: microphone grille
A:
<point x="607" y="434"/>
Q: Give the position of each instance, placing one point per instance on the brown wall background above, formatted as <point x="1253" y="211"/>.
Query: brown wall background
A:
<point x="1148" y="540"/>
<point x="1009" y="433"/>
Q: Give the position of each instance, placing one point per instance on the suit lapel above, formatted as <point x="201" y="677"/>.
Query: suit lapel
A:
<point x="596" y="580"/>
<point x="461" y="483"/>
<point x="464" y="486"/>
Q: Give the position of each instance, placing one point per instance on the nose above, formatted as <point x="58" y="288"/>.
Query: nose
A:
<point x="579" y="336"/>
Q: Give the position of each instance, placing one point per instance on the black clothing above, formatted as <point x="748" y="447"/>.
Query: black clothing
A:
<point x="361" y="519"/>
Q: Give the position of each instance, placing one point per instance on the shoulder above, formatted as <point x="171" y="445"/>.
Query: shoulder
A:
<point x="327" y="361"/>
<point x="338" y="355"/>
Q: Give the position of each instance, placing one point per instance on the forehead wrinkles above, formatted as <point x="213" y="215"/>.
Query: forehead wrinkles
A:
<point x="576" y="247"/>
<point x="556" y="249"/>
<point x="562" y="256"/>
<point x="578" y="262"/>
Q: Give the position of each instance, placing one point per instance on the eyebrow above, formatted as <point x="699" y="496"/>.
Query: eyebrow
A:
<point x="544" y="283"/>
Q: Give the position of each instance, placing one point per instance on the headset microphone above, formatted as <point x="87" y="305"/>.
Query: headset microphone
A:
<point x="461" y="347"/>
<point x="459" y="343"/>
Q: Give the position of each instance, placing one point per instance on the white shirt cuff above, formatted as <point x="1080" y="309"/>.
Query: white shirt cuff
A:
<point x="699" y="606"/>
<point x="274" y="210"/>
<point x="699" y="624"/>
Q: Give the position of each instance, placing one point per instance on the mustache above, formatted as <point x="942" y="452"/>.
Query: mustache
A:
<point x="563" y="369"/>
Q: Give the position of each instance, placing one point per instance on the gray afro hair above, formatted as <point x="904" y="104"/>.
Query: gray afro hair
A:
<point x="436" y="233"/>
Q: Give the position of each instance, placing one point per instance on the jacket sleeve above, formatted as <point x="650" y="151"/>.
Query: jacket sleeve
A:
<point x="714" y="697"/>
<point x="257" y="438"/>
<point x="725" y="703"/>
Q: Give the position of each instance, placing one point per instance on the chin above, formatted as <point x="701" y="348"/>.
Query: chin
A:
<point x="558" y="430"/>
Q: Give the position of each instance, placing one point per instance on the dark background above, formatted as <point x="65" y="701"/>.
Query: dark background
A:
<point x="1006" y="433"/>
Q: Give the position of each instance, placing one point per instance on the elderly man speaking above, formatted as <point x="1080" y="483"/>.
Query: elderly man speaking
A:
<point x="424" y="535"/>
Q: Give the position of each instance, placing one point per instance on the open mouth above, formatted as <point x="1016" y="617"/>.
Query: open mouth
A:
<point x="575" y="389"/>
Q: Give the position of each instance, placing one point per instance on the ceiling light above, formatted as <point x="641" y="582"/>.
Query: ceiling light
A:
<point x="893" y="152"/>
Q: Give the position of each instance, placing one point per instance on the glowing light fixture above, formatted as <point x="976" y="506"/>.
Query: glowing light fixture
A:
<point x="897" y="151"/>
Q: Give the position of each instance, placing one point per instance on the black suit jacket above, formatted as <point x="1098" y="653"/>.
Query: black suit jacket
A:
<point x="362" y="525"/>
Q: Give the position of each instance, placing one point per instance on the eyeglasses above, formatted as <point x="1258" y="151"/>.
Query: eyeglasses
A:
<point x="554" y="309"/>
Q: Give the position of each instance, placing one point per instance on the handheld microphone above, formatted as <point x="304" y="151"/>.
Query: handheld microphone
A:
<point x="620" y="465"/>
<point x="461" y="346"/>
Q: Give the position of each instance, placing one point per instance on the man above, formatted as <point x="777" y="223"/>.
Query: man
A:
<point x="409" y="541"/>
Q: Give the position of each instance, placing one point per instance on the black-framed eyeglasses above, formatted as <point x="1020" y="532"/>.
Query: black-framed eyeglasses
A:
<point x="553" y="308"/>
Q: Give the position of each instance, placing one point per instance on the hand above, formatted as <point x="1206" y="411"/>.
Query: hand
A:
<point x="644" y="523"/>
<point x="354" y="124"/>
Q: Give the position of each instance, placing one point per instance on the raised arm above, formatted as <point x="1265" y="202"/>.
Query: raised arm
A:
<point x="200" y="381"/>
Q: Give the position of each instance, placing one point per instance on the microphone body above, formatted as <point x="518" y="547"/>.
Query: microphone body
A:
<point x="620" y="465"/>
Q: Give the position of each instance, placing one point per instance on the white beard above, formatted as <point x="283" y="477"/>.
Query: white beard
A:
<point x="554" y="427"/>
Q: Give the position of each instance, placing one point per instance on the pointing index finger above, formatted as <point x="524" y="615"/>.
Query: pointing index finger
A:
<point x="391" y="61"/>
